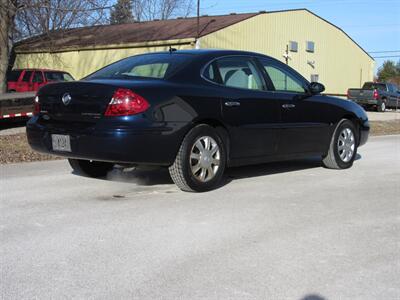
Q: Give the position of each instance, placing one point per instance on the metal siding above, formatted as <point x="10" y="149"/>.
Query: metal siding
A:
<point x="338" y="60"/>
<point x="82" y="63"/>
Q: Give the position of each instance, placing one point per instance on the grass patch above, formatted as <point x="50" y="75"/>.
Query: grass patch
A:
<point x="385" y="127"/>
<point x="14" y="148"/>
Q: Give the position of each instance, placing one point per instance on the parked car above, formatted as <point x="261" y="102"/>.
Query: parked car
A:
<point x="196" y="112"/>
<point x="28" y="80"/>
<point x="377" y="95"/>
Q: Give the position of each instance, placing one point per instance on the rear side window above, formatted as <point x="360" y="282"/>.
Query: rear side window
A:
<point x="13" y="75"/>
<point x="374" y="86"/>
<point x="27" y="76"/>
<point x="160" y="66"/>
<point x="37" y="77"/>
<point x="58" y="76"/>
<point x="236" y="72"/>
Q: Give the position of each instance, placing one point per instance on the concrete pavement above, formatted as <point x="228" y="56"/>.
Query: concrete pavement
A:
<point x="278" y="231"/>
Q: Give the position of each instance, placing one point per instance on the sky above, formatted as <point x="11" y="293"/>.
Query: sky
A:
<point x="374" y="25"/>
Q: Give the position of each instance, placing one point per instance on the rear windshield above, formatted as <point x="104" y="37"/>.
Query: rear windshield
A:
<point x="58" y="76"/>
<point x="160" y="66"/>
<point x="374" y="86"/>
<point x="13" y="75"/>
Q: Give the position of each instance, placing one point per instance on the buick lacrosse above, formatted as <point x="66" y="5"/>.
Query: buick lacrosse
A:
<point x="195" y="112"/>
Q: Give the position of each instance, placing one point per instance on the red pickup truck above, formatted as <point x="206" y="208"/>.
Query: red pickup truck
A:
<point x="28" y="80"/>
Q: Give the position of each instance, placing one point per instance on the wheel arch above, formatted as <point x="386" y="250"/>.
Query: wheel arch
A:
<point x="221" y="129"/>
<point x="357" y="123"/>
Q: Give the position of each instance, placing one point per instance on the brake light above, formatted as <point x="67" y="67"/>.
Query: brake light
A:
<point x="125" y="103"/>
<point x="376" y="95"/>
<point x="36" y="109"/>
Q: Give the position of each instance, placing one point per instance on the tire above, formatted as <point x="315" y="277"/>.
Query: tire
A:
<point x="184" y="171"/>
<point x="334" y="159"/>
<point x="95" y="169"/>
<point x="381" y="106"/>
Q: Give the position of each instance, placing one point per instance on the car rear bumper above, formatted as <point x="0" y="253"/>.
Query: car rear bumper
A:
<point x="148" y="146"/>
<point x="366" y="101"/>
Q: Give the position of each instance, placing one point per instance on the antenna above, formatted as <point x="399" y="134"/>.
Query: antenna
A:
<point x="172" y="49"/>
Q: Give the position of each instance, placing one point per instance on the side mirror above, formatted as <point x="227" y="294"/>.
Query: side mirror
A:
<point x="316" y="88"/>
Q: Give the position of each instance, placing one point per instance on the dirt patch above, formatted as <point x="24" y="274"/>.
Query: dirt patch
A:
<point x="385" y="127"/>
<point x="14" y="148"/>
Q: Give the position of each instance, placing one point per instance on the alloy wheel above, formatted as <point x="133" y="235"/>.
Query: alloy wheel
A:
<point x="346" y="145"/>
<point x="205" y="158"/>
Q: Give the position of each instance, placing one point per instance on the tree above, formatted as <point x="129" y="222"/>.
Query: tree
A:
<point x="122" y="12"/>
<point x="20" y="19"/>
<point x="7" y="14"/>
<point x="145" y="10"/>
<point x="388" y="71"/>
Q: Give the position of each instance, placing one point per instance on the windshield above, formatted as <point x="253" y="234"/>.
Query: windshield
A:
<point x="374" y="86"/>
<point x="159" y="66"/>
<point x="58" y="76"/>
<point x="13" y="75"/>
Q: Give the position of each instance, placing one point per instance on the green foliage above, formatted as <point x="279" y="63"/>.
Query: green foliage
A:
<point x="122" y="12"/>
<point x="389" y="71"/>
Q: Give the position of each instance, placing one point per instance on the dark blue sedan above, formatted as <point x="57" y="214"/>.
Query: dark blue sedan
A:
<point x="196" y="112"/>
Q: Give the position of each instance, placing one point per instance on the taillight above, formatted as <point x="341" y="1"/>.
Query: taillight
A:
<point x="348" y="94"/>
<point x="125" y="103"/>
<point x="376" y="95"/>
<point x="36" y="109"/>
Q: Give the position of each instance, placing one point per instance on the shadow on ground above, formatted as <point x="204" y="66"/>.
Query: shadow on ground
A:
<point x="151" y="176"/>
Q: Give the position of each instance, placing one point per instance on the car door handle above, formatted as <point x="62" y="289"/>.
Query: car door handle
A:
<point x="232" y="103"/>
<point x="288" y="105"/>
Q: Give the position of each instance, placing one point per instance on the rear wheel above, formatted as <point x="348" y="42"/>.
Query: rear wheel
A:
<point x="90" y="168"/>
<point x="381" y="106"/>
<point x="343" y="147"/>
<point x="201" y="160"/>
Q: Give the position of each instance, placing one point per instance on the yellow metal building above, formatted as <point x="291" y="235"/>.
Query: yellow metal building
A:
<point x="316" y="48"/>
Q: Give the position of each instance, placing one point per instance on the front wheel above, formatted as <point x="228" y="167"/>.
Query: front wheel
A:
<point x="343" y="147"/>
<point x="201" y="160"/>
<point x="90" y="168"/>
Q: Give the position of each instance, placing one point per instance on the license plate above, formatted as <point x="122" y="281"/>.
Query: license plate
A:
<point x="61" y="142"/>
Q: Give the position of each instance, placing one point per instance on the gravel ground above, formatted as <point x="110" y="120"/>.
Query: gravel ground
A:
<point x="280" y="231"/>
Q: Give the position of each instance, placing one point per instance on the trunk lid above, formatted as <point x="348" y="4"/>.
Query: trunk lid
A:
<point x="75" y="101"/>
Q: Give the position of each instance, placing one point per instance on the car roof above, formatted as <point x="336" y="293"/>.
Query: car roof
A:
<point x="208" y="52"/>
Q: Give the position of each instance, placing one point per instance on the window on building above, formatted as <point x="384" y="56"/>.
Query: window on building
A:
<point x="310" y="46"/>
<point x="293" y="46"/>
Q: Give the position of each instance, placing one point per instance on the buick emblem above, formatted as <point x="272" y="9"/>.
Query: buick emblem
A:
<point x="66" y="99"/>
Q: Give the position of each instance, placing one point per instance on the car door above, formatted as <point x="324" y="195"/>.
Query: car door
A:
<point x="392" y="96"/>
<point x="37" y="80"/>
<point x="304" y="124"/>
<point x="24" y="84"/>
<point x="251" y="117"/>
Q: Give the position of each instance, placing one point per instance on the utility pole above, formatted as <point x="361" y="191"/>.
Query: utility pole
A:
<point x="198" y="26"/>
<point x="286" y="55"/>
